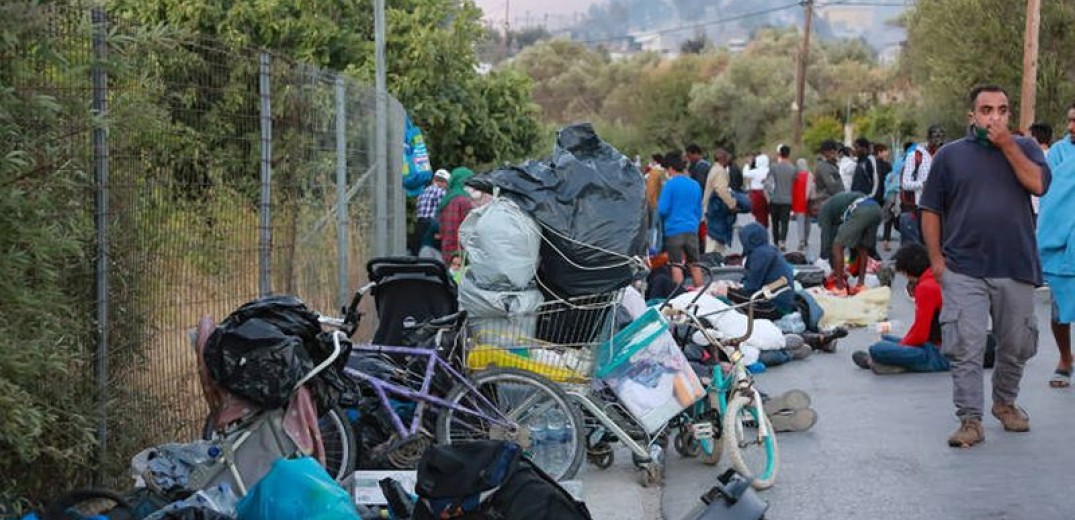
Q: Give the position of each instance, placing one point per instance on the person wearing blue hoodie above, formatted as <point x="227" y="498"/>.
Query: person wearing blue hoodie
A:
<point x="764" y="265"/>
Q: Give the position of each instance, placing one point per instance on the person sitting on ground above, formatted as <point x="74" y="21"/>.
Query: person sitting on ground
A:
<point x="918" y="350"/>
<point x="764" y="265"/>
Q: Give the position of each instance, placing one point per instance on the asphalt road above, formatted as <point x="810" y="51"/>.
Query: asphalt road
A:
<point x="879" y="450"/>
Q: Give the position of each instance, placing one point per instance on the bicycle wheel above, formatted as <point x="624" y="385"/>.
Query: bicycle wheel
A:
<point x="751" y="454"/>
<point x="340" y="444"/>
<point x="337" y="437"/>
<point x="521" y="407"/>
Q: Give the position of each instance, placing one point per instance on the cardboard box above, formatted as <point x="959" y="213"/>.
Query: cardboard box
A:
<point x="365" y="490"/>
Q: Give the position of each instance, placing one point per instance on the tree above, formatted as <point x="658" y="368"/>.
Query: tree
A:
<point x="819" y="129"/>
<point x="431" y="58"/>
<point x="956" y="44"/>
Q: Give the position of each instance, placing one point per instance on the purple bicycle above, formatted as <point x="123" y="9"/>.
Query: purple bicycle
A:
<point x="494" y="403"/>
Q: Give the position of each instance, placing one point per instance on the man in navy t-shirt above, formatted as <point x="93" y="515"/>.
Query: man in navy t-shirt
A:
<point x="979" y="229"/>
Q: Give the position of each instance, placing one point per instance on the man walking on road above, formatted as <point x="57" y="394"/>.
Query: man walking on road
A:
<point x="979" y="230"/>
<point x="783" y="175"/>
<point x="1056" y="242"/>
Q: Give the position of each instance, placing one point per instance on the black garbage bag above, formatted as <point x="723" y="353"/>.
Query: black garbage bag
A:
<point x="486" y="480"/>
<point x="590" y="201"/>
<point x="263" y="349"/>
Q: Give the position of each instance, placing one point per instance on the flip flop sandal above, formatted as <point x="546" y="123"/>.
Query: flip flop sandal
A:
<point x="1060" y="378"/>
<point x="793" y="420"/>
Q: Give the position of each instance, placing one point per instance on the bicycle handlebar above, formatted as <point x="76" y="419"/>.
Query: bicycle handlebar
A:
<point x="336" y="349"/>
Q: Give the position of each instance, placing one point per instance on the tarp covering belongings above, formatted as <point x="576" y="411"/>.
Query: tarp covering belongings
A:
<point x="590" y="201"/>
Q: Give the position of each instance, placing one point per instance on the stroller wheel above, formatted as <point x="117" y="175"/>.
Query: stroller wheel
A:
<point x="601" y="456"/>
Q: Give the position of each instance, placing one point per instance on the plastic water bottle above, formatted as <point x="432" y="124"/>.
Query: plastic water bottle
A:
<point x="893" y="327"/>
<point x="556" y="433"/>
<point x="539" y="443"/>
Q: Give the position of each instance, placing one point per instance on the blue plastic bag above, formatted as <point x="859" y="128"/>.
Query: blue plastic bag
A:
<point x="297" y="488"/>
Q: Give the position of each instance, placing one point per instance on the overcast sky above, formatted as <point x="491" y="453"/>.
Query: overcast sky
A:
<point x="494" y="9"/>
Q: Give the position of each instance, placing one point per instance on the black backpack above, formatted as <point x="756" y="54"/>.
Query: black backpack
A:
<point x="489" y="480"/>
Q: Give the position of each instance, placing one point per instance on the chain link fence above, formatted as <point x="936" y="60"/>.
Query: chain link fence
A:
<point x="204" y="176"/>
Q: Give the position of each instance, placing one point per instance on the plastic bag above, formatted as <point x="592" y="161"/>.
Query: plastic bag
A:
<point x="502" y="244"/>
<point x="215" y="503"/>
<point x="731" y="323"/>
<point x="169" y="466"/>
<point x="297" y="488"/>
<point x="499" y="318"/>
<point x="259" y="351"/>
<point x="791" y="323"/>
<point x="590" y="201"/>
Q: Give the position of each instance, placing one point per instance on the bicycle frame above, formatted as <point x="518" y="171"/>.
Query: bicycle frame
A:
<point x="422" y="396"/>
<point x="740" y="380"/>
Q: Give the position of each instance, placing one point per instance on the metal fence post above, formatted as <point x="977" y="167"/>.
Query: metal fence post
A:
<point x="341" y="193"/>
<point x="264" y="228"/>
<point x="397" y="196"/>
<point x="100" y="168"/>
<point x="380" y="223"/>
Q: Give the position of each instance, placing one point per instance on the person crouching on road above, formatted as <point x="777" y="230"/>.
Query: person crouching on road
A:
<point x="849" y="220"/>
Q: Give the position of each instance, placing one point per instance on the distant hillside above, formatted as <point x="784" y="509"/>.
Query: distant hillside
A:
<point x="722" y="21"/>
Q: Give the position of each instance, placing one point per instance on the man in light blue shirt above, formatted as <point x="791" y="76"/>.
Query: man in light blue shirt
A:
<point x="1056" y="244"/>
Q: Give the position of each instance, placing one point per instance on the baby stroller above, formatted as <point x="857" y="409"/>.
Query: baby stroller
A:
<point x="246" y="438"/>
<point x="408" y="291"/>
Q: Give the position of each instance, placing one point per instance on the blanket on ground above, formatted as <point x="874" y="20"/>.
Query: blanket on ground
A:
<point x="865" y="308"/>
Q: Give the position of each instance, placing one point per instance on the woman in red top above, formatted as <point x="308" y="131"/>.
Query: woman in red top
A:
<point x="800" y="197"/>
<point x="919" y="350"/>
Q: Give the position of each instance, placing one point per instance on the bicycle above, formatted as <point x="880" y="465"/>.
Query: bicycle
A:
<point x="498" y="403"/>
<point x="732" y="403"/>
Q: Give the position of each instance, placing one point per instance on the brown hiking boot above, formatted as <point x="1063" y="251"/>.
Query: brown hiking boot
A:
<point x="970" y="432"/>
<point x="1014" y="418"/>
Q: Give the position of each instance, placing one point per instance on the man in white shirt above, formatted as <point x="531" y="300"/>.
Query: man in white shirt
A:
<point x="913" y="179"/>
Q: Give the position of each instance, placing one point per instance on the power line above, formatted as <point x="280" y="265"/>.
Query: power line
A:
<point x="684" y="27"/>
<point x="853" y="3"/>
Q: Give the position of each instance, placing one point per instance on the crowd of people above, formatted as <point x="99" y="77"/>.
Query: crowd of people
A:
<point x="980" y="228"/>
<point x="981" y="224"/>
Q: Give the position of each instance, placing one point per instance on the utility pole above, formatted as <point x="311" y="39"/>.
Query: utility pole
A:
<point x="507" y="30"/>
<point x="800" y="78"/>
<point x="1030" y="65"/>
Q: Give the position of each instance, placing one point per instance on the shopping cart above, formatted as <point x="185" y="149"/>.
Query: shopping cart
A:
<point x="569" y="341"/>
